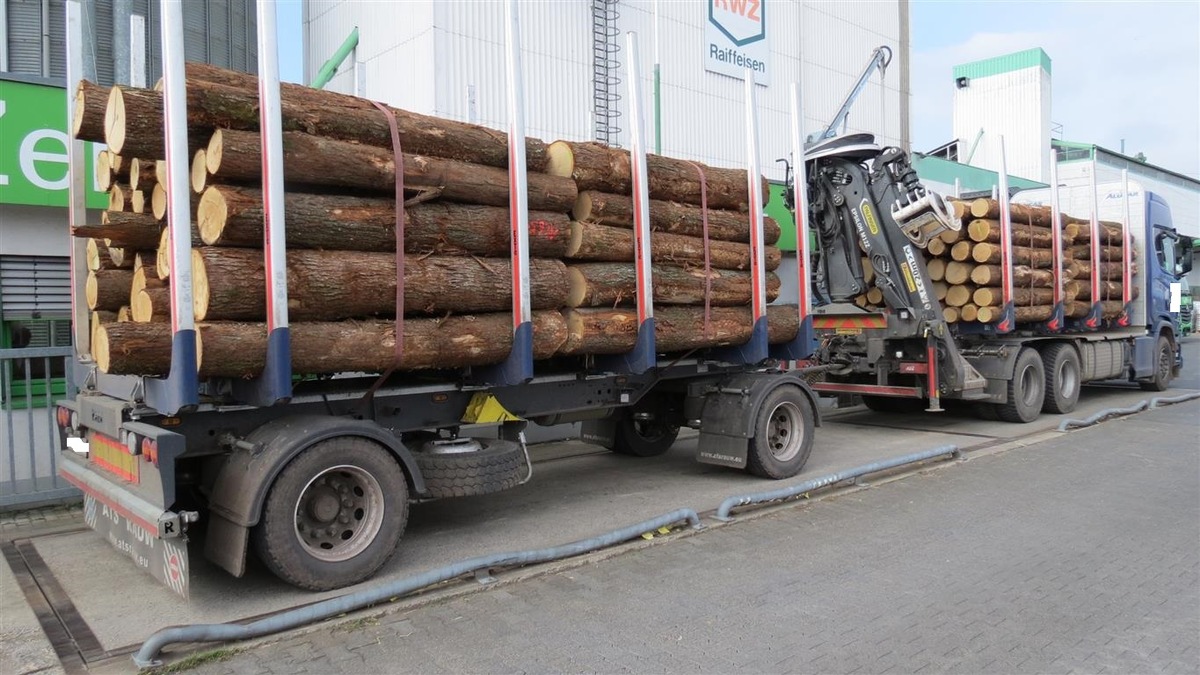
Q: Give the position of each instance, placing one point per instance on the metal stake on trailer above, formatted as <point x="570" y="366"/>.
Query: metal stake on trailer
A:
<point x="518" y="367"/>
<point x="803" y="346"/>
<point x="1055" y="323"/>
<point x="644" y="354"/>
<point x="756" y="349"/>
<point x="1126" y="255"/>
<point x="77" y="193"/>
<point x="180" y="389"/>
<point x="275" y="384"/>
<point x="1096" y="313"/>
<point x="1008" y="318"/>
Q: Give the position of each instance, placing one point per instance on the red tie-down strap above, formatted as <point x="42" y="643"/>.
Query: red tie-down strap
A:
<point x="704" y="236"/>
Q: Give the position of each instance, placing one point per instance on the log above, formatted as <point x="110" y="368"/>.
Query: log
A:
<point x="936" y="247"/>
<point x="104" y="174"/>
<point x="595" y="166"/>
<point x="230" y="349"/>
<point x="213" y="105"/>
<point x="1107" y="253"/>
<point x="992" y="296"/>
<point x="134" y="348"/>
<point x="874" y="295"/>
<point x="122" y="228"/>
<point x="1110" y="233"/>
<point x="141" y="174"/>
<point x="1023" y="235"/>
<point x="615" y="244"/>
<point x="162" y="254"/>
<point x="121" y="258"/>
<point x="1024" y="214"/>
<point x="958" y="272"/>
<point x="1023" y="314"/>
<point x="229" y="284"/>
<point x="868" y="270"/>
<point x="118" y="196"/>
<point x="1082" y="269"/>
<point x="97" y="257"/>
<point x="961" y="251"/>
<point x="611" y="284"/>
<point x="1079" y="309"/>
<point x="151" y="304"/>
<point x="617" y="210"/>
<point x="307" y="159"/>
<point x="98" y="319"/>
<point x="968" y="312"/>
<point x="107" y="289"/>
<point x="962" y="211"/>
<point x="993" y="275"/>
<point x="950" y="314"/>
<point x="1109" y="290"/>
<point x="614" y="331"/>
<point x="957" y="296"/>
<point x="124" y="314"/>
<point x="138" y="201"/>
<point x="985" y="253"/>
<point x="198" y="175"/>
<point x="88" y="118"/>
<point x="936" y="269"/>
<point x="233" y="216"/>
<point x="940" y="288"/>
<point x="144" y="277"/>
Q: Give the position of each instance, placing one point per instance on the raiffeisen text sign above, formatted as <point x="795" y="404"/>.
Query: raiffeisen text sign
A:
<point x="735" y="38"/>
<point x="33" y="147"/>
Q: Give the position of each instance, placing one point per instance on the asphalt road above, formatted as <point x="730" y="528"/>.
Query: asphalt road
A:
<point x="1074" y="554"/>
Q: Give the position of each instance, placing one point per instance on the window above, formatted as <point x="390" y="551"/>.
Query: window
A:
<point x="1164" y="248"/>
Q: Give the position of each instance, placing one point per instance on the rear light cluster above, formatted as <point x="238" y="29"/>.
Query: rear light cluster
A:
<point x="67" y="419"/>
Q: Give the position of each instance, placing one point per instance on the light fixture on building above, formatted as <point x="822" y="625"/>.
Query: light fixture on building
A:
<point x="962" y="82"/>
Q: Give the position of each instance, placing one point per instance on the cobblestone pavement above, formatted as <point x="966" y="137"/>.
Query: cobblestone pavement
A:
<point x="1080" y="554"/>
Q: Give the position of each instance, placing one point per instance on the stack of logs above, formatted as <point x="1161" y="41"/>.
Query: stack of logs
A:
<point x="340" y="205"/>
<point x="965" y="265"/>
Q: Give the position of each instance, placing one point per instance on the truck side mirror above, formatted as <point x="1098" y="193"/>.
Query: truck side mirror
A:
<point x="1185" y="260"/>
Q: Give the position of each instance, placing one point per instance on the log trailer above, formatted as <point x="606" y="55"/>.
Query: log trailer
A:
<point x="315" y="475"/>
<point x="904" y="356"/>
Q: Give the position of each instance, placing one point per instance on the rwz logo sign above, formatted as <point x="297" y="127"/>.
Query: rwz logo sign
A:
<point x="739" y="20"/>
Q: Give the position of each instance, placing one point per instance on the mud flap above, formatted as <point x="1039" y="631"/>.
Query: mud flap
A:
<point x="165" y="559"/>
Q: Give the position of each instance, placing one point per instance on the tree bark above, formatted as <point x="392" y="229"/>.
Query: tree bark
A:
<point x="1082" y="269"/>
<point x="233" y="216"/>
<point x="133" y="348"/>
<point x="134" y="124"/>
<point x="1080" y="308"/>
<point x="1110" y="233"/>
<point x="1023" y="214"/>
<point x="88" y="120"/>
<point x="992" y="275"/>
<point x="614" y="331"/>
<point x="990" y="296"/>
<point x="107" y="289"/>
<point x="236" y="156"/>
<point x="1023" y="235"/>
<point x="213" y="105"/>
<point x="151" y="304"/>
<point x="958" y="272"/>
<point x="123" y="228"/>
<point x="1107" y="253"/>
<point x="617" y="210"/>
<point x="595" y="166"/>
<point x="118" y="196"/>
<point x="611" y="284"/>
<point x="615" y="244"/>
<point x="989" y="254"/>
<point x="229" y="284"/>
<point x="141" y="174"/>
<point x="1109" y="290"/>
<point x="97" y="256"/>
<point x="1023" y="314"/>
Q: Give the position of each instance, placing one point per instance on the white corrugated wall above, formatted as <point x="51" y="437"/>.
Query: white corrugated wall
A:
<point x="447" y="58"/>
<point x="1015" y="105"/>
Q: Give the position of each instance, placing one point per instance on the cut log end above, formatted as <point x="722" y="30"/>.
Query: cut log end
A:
<point x="80" y="109"/>
<point x="200" y="286"/>
<point x="162" y="257"/>
<point x="213" y="152"/>
<point x="576" y="242"/>
<point x="91" y="290"/>
<point x="583" y="205"/>
<point x="211" y="215"/>
<point x="114" y="121"/>
<point x="560" y="159"/>
<point x="158" y="201"/>
<point x="199" y="173"/>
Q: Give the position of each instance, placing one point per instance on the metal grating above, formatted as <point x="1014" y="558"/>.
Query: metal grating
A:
<point x="606" y="82"/>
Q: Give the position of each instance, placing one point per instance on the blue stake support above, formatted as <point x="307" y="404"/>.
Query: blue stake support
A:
<point x="180" y="389"/>
<point x="518" y="367"/>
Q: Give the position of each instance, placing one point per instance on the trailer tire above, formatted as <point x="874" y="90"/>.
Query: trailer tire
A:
<point x="643" y="438"/>
<point x="334" y="515"/>
<point x="1063" y="378"/>
<point x="1026" y="389"/>
<point x="783" y="434"/>
<point x="1164" y="363"/>
<point x="499" y="465"/>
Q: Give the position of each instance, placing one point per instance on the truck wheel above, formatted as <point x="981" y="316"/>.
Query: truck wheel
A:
<point x="1164" y="363"/>
<point x="643" y="438"/>
<point x="894" y="404"/>
<point x="334" y="515"/>
<point x="1026" y="389"/>
<point x="1061" y="363"/>
<point x="783" y="434"/>
<point x="497" y="465"/>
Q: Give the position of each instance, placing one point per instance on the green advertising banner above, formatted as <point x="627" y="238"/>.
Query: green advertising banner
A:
<point x="33" y="148"/>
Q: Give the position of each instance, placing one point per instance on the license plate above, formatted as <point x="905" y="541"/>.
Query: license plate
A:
<point x="165" y="560"/>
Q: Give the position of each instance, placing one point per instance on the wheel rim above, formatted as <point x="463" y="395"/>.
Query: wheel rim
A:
<point x="653" y="429"/>
<point x="339" y="513"/>
<point x="1164" y="363"/>
<point x="1030" y="388"/>
<point x="1068" y="379"/>
<point x="785" y="431"/>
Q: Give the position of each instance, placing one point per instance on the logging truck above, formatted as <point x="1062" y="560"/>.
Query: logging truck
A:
<point x="1008" y="313"/>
